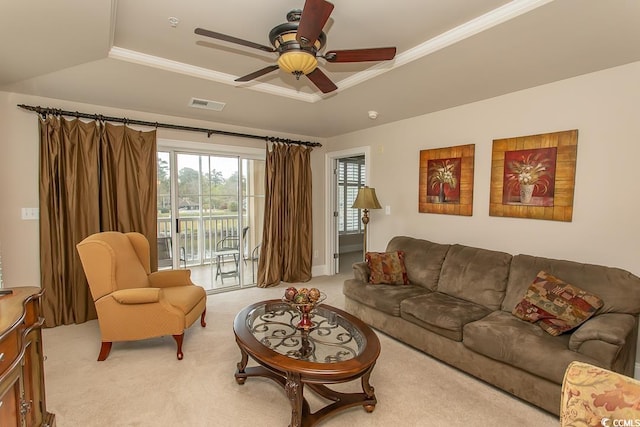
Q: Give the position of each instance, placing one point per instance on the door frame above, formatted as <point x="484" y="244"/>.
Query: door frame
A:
<point x="174" y="147"/>
<point x="331" y="222"/>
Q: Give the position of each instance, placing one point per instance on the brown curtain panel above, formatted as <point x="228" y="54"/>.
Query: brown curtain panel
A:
<point x="91" y="180"/>
<point x="129" y="184"/>
<point x="287" y="236"/>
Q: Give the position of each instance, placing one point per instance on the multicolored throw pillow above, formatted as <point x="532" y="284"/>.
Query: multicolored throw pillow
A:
<point x="387" y="268"/>
<point x="556" y="306"/>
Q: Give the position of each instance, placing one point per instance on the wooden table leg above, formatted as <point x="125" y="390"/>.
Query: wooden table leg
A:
<point x="242" y="364"/>
<point x="368" y="390"/>
<point x="294" y="390"/>
<point x="293" y="384"/>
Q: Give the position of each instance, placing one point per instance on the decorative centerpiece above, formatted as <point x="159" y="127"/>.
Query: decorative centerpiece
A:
<point x="304" y="300"/>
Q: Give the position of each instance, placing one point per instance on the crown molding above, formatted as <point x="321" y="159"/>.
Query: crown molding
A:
<point x="481" y="23"/>
<point x="204" y="73"/>
<point x="484" y="22"/>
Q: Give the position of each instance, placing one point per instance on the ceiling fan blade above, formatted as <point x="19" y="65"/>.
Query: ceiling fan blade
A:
<point x="314" y="15"/>
<point x="231" y="39"/>
<point x="361" y="55"/>
<point x="321" y="80"/>
<point x="256" y="74"/>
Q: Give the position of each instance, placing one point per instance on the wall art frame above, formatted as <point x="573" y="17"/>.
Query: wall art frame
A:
<point x="534" y="176"/>
<point x="445" y="183"/>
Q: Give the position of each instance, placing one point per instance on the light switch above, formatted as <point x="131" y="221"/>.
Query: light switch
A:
<point x="387" y="210"/>
<point x="30" y="213"/>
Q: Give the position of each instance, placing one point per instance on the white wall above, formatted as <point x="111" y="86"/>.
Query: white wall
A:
<point x="603" y="106"/>
<point x="19" y="140"/>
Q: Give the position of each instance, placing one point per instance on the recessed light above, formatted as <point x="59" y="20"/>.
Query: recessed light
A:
<point x="373" y="114"/>
<point x="173" y="21"/>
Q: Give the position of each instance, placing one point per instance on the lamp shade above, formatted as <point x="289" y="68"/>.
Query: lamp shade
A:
<point x="366" y="199"/>
<point x="297" y="62"/>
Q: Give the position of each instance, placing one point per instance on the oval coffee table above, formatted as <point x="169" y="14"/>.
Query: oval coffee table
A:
<point x="337" y="348"/>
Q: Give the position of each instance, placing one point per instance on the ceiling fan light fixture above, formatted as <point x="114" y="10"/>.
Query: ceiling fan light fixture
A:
<point x="298" y="43"/>
<point x="297" y="62"/>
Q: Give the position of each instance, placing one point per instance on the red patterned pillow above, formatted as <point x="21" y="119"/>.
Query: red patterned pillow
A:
<point x="387" y="268"/>
<point x="556" y="306"/>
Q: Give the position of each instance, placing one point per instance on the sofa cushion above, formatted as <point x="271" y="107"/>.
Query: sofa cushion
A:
<point x="441" y="313"/>
<point x="360" y="271"/>
<point x="386" y="298"/>
<point x="423" y="259"/>
<point x="387" y="268"/>
<point x="618" y="289"/>
<point x="521" y="344"/>
<point x="476" y="275"/>
<point x="556" y="306"/>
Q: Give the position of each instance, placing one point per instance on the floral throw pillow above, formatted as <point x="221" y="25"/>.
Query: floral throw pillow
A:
<point x="556" y="306"/>
<point x="387" y="268"/>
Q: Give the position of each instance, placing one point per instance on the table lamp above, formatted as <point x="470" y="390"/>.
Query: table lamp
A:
<point x="366" y="200"/>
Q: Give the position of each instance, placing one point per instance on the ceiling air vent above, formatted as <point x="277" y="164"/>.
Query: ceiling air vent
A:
<point x="206" y="104"/>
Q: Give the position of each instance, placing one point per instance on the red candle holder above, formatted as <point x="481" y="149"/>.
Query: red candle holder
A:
<point x="305" y="319"/>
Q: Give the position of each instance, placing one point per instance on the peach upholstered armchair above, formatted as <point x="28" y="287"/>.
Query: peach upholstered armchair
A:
<point x="132" y="303"/>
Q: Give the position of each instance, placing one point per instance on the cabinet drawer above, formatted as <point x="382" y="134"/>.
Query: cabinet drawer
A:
<point x="9" y="399"/>
<point x="8" y="350"/>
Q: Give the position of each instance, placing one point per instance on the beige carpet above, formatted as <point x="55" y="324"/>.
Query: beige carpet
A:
<point x="143" y="384"/>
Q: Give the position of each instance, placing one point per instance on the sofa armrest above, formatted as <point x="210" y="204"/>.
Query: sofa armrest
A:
<point x="169" y="278"/>
<point x="611" y="328"/>
<point x="361" y="271"/>
<point x="137" y="295"/>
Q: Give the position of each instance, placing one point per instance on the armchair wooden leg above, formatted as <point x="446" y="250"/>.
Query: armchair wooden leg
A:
<point x="104" y="350"/>
<point x="179" y="339"/>
<point x="202" y="322"/>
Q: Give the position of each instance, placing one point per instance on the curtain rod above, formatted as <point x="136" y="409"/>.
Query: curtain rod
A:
<point x="44" y="111"/>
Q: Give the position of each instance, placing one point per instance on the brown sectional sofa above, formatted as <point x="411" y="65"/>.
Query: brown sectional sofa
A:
<point x="458" y="309"/>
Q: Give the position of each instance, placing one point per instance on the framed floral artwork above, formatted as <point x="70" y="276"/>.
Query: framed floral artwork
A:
<point x="534" y="176"/>
<point x="446" y="180"/>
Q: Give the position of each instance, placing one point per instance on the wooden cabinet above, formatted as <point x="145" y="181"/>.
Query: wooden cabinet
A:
<point x="22" y="393"/>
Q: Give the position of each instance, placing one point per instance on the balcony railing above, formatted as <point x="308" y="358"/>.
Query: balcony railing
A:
<point x="198" y="236"/>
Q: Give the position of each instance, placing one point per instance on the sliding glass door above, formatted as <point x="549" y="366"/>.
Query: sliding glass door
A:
<point x="210" y="214"/>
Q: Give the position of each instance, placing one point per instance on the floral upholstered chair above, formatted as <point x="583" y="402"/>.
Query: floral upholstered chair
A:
<point x="593" y="396"/>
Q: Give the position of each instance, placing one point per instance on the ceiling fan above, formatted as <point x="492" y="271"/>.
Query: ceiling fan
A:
<point x="298" y="42"/>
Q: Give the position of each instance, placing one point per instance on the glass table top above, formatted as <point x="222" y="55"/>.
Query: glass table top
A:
<point x="330" y="339"/>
